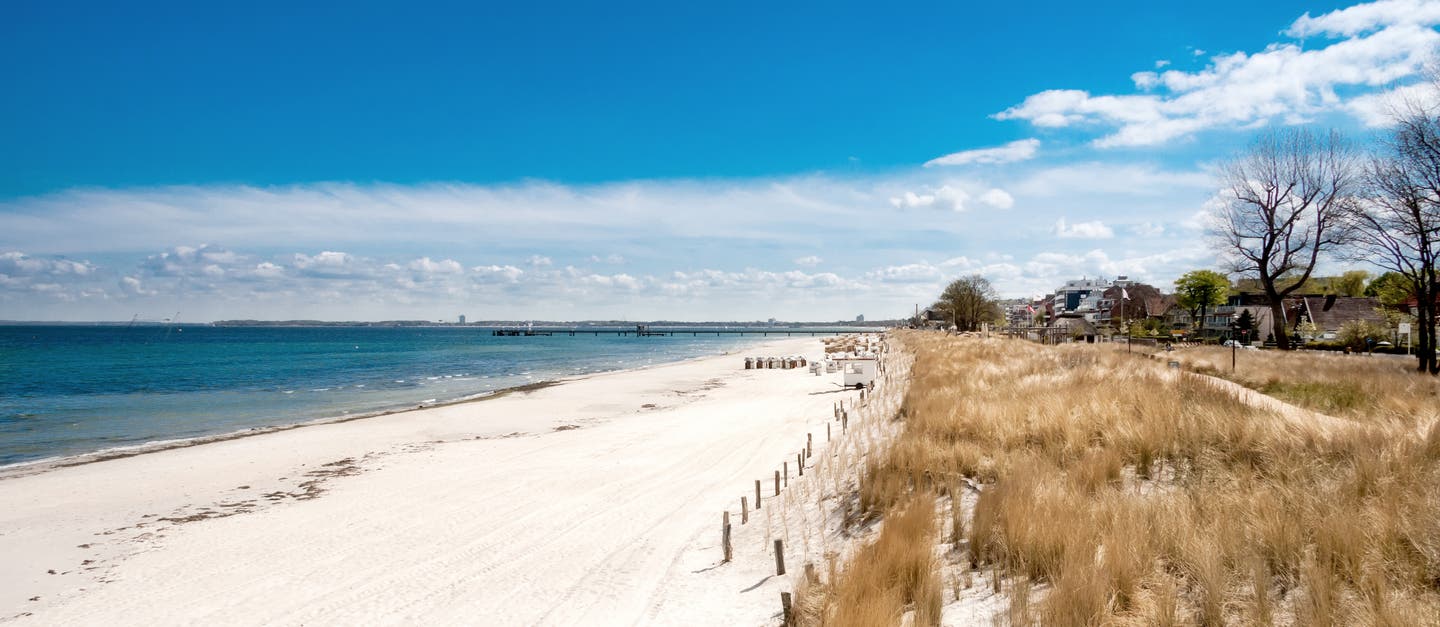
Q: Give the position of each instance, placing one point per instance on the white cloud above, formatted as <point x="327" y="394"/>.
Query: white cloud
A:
<point x="951" y="196"/>
<point x="997" y="198"/>
<point x="1161" y="63"/>
<point x="1094" y="229"/>
<point x="945" y="197"/>
<point x="808" y="261"/>
<point x="1363" y="18"/>
<point x="1148" y="229"/>
<point x="425" y="266"/>
<point x="907" y="273"/>
<point x="326" y="262"/>
<point x="1383" y="43"/>
<point x="750" y="265"/>
<point x="1018" y="150"/>
<point x="506" y="274"/>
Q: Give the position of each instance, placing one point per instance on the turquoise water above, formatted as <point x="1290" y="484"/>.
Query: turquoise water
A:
<point x="67" y="390"/>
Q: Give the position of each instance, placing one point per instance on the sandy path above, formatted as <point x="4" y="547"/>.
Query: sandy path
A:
<point x="417" y="520"/>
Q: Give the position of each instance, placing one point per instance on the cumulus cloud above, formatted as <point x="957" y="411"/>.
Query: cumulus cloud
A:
<point x="951" y="197"/>
<point x="808" y="261"/>
<point x="944" y="197"/>
<point x="612" y="259"/>
<point x="1018" y="150"/>
<point x="1378" y="45"/>
<point x="425" y="266"/>
<point x="997" y="198"/>
<point x="1094" y="229"/>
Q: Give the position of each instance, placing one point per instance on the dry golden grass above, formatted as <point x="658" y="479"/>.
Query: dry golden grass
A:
<point x="1129" y="494"/>
<point x="886" y="578"/>
<point x="1371" y="388"/>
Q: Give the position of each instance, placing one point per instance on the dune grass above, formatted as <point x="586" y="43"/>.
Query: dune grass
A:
<point x="1369" y="388"/>
<point x="1100" y="488"/>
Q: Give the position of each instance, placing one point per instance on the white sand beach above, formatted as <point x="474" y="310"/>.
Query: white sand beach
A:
<point x="596" y="501"/>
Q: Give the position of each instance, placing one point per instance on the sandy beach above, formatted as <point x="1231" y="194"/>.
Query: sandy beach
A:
<point x="596" y="501"/>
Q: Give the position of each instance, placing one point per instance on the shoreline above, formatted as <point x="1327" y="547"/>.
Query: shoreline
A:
<point x="597" y="493"/>
<point x="46" y="464"/>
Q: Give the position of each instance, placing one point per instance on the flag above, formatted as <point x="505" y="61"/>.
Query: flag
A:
<point x="1124" y="295"/>
<point x="1030" y="308"/>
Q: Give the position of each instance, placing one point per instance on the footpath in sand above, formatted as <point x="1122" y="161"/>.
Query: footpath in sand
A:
<point x="596" y="501"/>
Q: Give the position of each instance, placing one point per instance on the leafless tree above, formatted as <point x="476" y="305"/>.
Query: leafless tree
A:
<point x="1397" y="226"/>
<point x="1285" y="200"/>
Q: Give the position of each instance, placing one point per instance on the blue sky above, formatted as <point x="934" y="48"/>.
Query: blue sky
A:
<point x="673" y="160"/>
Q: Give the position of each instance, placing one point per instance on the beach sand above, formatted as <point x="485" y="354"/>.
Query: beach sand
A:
<point x="596" y="501"/>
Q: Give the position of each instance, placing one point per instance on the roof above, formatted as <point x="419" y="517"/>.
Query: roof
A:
<point x="1332" y="312"/>
<point x="1082" y="325"/>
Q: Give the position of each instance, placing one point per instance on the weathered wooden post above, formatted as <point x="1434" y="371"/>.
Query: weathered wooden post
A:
<point x="777" y="483"/>
<point x="800" y="462"/>
<point x="809" y="444"/>
<point x="786" y="467"/>
<point x="779" y="557"/>
<point x="757" y="494"/>
<point x="744" y="511"/>
<point x="827" y="432"/>
<point x="786" y="612"/>
<point x="725" y="536"/>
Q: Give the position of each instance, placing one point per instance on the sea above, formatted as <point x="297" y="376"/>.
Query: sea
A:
<point x="70" y="390"/>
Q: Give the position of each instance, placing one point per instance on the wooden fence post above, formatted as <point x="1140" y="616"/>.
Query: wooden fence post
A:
<point x="786" y="467"/>
<point x="800" y="462"/>
<point x="779" y="557"/>
<point x="777" y="483"/>
<point x="757" y="494"/>
<point x="744" y="511"/>
<point x="725" y="536"/>
<point x="809" y="444"/>
<point x="827" y="432"/>
<point x="786" y="612"/>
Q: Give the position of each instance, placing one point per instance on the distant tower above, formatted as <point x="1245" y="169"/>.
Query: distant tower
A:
<point x="860" y="318"/>
<point x="462" y="318"/>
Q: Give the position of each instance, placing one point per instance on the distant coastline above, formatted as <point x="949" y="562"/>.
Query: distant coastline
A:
<point x="608" y="324"/>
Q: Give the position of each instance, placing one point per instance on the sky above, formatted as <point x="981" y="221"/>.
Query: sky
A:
<point x="566" y="161"/>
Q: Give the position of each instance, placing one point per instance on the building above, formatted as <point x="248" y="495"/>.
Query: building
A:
<point x="1330" y="313"/>
<point x="1084" y="297"/>
<point x="860" y="318"/>
<point x="462" y="318"/>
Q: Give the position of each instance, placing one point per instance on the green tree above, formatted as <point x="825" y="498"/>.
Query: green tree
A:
<point x="1199" y="290"/>
<point x="1352" y="283"/>
<point x="1391" y="288"/>
<point x="969" y="301"/>
<point x="1245" y="324"/>
<point x="1361" y="335"/>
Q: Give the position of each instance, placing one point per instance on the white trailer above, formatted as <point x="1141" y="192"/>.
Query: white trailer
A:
<point x="859" y="372"/>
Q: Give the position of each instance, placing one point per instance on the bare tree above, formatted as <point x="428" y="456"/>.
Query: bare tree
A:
<point x="969" y="301"/>
<point x="1285" y="200"/>
<point x="1397" y="226"/>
